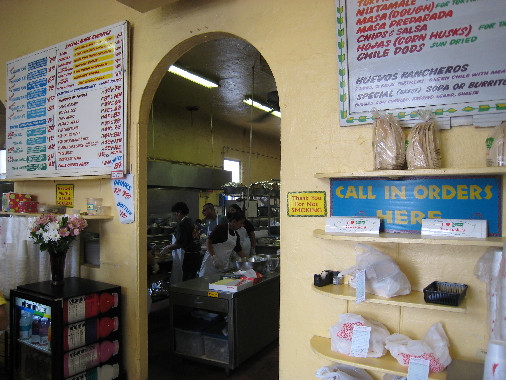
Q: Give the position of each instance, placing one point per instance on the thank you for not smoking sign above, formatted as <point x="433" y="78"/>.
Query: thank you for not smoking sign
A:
<point x="307" y="203"/>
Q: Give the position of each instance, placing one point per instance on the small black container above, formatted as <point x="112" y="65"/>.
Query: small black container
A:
<point x="325" y="278"/>
<point x="444" y="293"/>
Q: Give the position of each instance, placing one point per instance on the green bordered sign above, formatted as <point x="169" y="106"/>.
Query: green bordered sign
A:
<point x="306" y="203"/>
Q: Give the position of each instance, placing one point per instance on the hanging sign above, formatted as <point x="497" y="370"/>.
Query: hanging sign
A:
<point x="405" y="55"/>
<point x="66" y="107"/>
<point x="123" y="190"/>
<point x="402" y="204"/>
<point x="306" y="203"/>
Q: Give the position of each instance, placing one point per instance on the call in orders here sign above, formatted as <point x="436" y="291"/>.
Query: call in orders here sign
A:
<point x="401" y="204"/>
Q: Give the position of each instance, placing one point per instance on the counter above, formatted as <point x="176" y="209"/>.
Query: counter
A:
<point x="250" y="319"/>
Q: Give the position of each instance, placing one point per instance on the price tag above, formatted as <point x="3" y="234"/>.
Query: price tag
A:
<point x="360" y="341"/>
<point x="418" y="369"/>
<point x="360" y="286"/>
<point x="213" y="294"/>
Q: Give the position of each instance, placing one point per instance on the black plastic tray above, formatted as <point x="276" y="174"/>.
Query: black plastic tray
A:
<point x="444" y="293"/>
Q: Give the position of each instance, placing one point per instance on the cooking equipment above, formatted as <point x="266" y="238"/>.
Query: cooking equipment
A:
<point x="256" y="263"/>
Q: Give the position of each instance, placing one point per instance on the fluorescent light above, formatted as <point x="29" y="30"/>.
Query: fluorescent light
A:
<point x="192" y="77"/>
<point x="262" y="107"/>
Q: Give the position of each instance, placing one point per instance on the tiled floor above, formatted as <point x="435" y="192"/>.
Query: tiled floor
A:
<point x="263" y="365"/>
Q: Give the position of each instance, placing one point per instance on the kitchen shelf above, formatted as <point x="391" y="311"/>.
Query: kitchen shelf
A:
<point x="496" y="170"/>
<point x="414" y="299"/>
<point x="411" y="239"/>
<point x="88" y="217"/>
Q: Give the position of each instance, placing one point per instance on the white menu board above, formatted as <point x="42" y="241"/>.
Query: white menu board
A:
<point x="405" y="55"/>
<point x="66" y="107"/>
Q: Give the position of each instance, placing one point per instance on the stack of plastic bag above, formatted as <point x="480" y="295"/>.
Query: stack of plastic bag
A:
<point x="433" y="347"/>
<point x="383" y="276"/>
<point x="342" y="372"/>
<point x="341" y="335"/>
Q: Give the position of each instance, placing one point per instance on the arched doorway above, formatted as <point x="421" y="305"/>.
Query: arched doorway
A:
<point x="194" y="126"/>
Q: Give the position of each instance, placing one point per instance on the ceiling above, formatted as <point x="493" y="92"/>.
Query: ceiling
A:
<point x="239" y="69"/>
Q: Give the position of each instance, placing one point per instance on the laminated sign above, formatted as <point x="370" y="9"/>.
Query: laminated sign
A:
<point x="402" y="204"/>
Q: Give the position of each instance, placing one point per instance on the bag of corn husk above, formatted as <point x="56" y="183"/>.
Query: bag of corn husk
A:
<point x="423" y="149"/>
<point x="496" y="149"/>
<point x="388" y="143"/>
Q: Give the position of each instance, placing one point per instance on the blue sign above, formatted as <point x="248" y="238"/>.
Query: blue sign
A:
<point x="402" y="203"/>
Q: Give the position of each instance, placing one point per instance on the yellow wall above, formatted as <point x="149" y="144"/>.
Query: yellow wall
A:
<point x="297" y="38"/>
<point x="176" y="135"/>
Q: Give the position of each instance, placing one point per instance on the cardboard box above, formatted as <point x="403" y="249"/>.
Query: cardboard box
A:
<point x="353" y="225"/>
<point x="471" y="228"/>
<point x="10" y="201"/>
<point x="230" y="285"/>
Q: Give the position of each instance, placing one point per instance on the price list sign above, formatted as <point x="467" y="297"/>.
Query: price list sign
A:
<point x="66" y="107"/>
<point x="405" y="55"/>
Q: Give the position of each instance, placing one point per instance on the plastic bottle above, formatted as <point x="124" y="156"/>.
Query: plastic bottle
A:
<point x="79" y="308"/>
<point x="108" y="301"/>
<point x="84" y="358"/>
<point x="35" y="338"/>
<point x="104" y="372"/>
<point x="44" y="330"/>
<point x="88" y="331"/>
<point x="25" y="325"/>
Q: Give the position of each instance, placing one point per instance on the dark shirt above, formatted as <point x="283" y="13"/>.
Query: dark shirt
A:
<point x="184" y="234"/>
<point x="220" y="234"/>
<point x="248" y="226"/>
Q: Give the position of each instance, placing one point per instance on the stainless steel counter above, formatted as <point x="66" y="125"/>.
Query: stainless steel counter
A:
<point x="251" y="315"/>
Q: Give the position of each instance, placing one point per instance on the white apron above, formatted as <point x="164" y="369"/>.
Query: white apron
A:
<point x="223" y="251"/>
<point x="177" y="264"/>
<point x="245" y="240"/>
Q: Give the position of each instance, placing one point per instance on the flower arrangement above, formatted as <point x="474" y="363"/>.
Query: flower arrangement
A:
<point x="56" y="233"/>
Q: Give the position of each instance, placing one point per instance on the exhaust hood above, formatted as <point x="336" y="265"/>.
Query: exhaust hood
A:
<point x="166" y="174"/>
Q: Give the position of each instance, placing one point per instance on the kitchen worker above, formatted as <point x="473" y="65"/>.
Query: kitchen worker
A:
<point x="246" y="232"/>
<point x="4" y="320"/>
<point x="211" y="219"/>
<point x="182" y="241"/>
<point x="220" y="244"/>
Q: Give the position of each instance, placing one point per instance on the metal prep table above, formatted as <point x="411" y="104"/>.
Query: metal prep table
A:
<point x="252" y="316"/>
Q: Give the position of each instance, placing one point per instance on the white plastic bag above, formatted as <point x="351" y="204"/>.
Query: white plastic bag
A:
<point x="433" y="347"/>
<point x="341" y="335"/>
<point x="388" y="376"/>
<point x="342" y="372"/>
<point x="496" y="149"/>
<point x="383" y="276"/>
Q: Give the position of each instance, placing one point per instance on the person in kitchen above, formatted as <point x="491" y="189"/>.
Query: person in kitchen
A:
<point x="246" y="232"/>
<point x="182" y="243"/>
<point x="220" y="244"/>
<point x="211" y="219"/>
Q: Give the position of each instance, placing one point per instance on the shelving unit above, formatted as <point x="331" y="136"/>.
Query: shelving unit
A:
<point x="88" y="217"/>
<point x="411" y="239"/>
<point x="414" y="299"/>
<point x="458" y="369"/>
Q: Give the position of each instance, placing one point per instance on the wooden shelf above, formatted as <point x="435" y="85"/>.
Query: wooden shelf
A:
<point x="413" y="300"/>
<point x="411" y="239"/>
<point x="498" y="170"/>
<point x="88" y="217"/>
<point x="385" y="364"/>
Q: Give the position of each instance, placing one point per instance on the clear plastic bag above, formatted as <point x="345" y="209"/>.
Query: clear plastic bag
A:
<point x="342" y="372"/>
<point x="496" y="149"/>
<point x="389" y="146"/>
<point x="341" y="335"/>
<point x="432" y="347"/>
<point x="383" y="276"/>
<point x="423" y="150"/>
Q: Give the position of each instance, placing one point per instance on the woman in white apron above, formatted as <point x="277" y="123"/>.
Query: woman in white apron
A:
<point x="182" y="238"/>
<point x="220" y="245"/>
<point x="246" y="232"/>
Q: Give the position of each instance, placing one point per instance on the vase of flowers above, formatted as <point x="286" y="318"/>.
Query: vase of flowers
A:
<point x="55" y="234"/>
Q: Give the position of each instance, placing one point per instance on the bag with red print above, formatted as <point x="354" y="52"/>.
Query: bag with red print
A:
<point x="433" y="347"/>
<point x="342" y="332"/>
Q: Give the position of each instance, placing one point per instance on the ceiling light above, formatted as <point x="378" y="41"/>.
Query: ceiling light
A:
<point x="192" y="77"/>
<point x="262" y="107"/>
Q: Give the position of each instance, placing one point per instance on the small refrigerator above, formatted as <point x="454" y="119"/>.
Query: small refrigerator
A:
<point x="67" y="332"/>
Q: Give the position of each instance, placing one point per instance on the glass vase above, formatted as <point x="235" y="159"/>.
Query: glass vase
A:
<point x="57" y="259"/>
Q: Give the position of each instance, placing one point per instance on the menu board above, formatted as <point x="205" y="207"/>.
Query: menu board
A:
<point x="66" y="107"/>
<point x="405" y="55"/>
